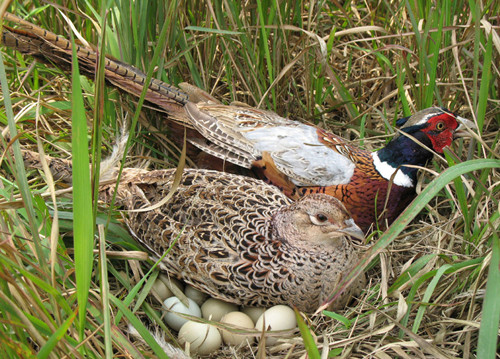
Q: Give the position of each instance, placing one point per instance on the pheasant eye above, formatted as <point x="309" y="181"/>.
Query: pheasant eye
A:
<point x="319" y="218"/>
<point x="440" y="126"/>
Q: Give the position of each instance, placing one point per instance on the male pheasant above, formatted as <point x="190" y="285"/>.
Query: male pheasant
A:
<point x="237" y="238"/>
<point x="298" y="158"/>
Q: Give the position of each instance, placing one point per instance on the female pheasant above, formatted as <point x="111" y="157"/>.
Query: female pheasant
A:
<point x="298" y="158"/>
<point x="237" y="238"/>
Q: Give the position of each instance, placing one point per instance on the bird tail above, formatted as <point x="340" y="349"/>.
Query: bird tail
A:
<point x="48" y="47"/>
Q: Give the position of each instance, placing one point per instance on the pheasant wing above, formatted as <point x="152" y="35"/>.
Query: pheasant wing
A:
<point x="241" y="135"/>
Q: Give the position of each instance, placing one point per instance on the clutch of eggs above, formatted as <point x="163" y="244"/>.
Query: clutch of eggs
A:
<point x="236" y="326"/>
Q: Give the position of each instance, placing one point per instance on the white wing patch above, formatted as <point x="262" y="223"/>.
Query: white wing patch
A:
<point x="298" y="153"/>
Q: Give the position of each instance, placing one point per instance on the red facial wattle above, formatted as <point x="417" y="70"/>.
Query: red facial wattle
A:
<point x="440" y="131"/>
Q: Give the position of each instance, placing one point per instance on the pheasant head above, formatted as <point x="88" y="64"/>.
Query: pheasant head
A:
<point x="317" y="219"/>
<point x="426" y="131"/>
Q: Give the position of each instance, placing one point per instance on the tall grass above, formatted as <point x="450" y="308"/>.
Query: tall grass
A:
<point x="354" y="69"/>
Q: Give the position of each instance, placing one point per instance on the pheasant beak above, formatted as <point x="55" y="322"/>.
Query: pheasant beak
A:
<point x="351" y="229"/>
<point x="464" y="127"/>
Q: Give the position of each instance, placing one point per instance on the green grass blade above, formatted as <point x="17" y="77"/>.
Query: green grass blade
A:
<point x="267" y="53"/>
<point x="428" y="292"/>
<point x="476" y="16"/>
<point x="485" y="84"/>
<point x="411" y="272"/>
<point x="98" y="116"/>
<point x="83" y="227"/>
<point x="490" y="322"/>
<point x="473" y="263"/>
<point x="20" y="171"/>
<point x="105" y="293"/>
<point x="145" y="334"/>
<point x="347" y="323"/>
<point x="311" y="348"/>
<point x="46" y="350"/>
<point x="213" y="31"/>
<point x="432" y="64"/>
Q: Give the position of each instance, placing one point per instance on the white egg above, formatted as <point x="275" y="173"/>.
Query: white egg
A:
<point x="161" y="289"/>
<point x="175" y="321"/>
<point x="242" y="322"/>
<point x="196" y="295"/>
<point x="215" y="309"/>
<point x="279" y="317"/>
<point x="203" y="338"/>
<point x="253" y="312"/>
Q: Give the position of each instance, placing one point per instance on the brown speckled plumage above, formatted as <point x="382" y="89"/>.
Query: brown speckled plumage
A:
<point x="237" y="238"/>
